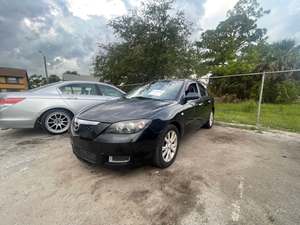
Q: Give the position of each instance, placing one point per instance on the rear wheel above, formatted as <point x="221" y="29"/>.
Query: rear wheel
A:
<point x="210" y="121"/>
<point x="166" y="149"/>
<point x="56" y="121"/>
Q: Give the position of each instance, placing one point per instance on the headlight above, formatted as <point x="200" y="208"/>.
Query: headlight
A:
<point x="128" y="127"/>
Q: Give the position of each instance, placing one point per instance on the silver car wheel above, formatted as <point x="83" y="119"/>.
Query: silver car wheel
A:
<point x="57" y="122"/>
<point x="211" y="119"/>
<point x="169" y="147"/>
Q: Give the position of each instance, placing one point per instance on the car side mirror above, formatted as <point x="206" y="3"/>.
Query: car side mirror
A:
<point x="191" y="96"/>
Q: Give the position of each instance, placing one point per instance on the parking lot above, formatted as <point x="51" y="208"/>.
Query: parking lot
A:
<point x="221" y="176"/>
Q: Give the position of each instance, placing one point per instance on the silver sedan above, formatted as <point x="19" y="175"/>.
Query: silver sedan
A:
<point x="52" y="106"/>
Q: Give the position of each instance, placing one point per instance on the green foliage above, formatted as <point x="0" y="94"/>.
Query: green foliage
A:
<point x="235" y="47"/>
<point x="238" y="46"/>
<point x="154" y="44"/>
<point x="53" y="78"/>
<point x="36" y="81"/>
<point x="39" y="80"/>
<point x="71" y="72"/>
<point x="286" y="92"/>
<point x="232" y="37"/>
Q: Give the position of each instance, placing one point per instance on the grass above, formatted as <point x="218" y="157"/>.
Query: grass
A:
<point x="275" y="116"/>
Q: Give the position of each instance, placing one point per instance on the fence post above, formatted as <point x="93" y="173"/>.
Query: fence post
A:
<point x="260" y="100"/>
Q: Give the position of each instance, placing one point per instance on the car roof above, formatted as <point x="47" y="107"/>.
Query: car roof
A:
<point x="54" y="86"/>
<point x="183" y="79"/>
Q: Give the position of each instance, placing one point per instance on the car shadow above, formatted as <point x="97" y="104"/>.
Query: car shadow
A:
<point x="191" y="133"/>
<point x="30" y="132"/>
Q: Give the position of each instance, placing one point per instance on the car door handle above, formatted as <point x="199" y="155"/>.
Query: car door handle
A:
<point x="201" y="103"/>
<point x="209" y="101"/>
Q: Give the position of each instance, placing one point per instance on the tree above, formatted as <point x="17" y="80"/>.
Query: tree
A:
<point x="71" y="72"/>
<point x="54" y="78"/>
<point x="154" y="44"/>
<point x="231" y="48"/>
<point x="278" y="56"/>
<point x="37" y="81"/>
<point x="232" y="37"/>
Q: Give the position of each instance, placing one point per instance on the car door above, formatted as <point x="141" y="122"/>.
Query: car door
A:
<point x="207" y="102"/>
<point x="81" y="95"/>
<point x="203" y="107"/>
<point x="189" y="107"/>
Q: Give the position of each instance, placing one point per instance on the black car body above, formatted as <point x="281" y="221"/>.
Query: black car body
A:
<point x="147" y="121"/>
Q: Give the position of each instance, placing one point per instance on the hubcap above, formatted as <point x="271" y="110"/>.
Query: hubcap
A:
<point x="169" y="147"/>
<point x="57" y="122"/>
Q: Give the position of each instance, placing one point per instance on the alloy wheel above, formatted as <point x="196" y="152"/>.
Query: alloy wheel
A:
<point x="169" y="147"/>
<point x="211" y="119"/>
<point x="57" y="122"/>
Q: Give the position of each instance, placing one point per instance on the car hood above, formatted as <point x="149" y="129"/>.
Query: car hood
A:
<point x="123" y="109"/>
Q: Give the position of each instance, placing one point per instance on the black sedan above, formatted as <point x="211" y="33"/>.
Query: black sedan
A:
<point x="147" y="123"/>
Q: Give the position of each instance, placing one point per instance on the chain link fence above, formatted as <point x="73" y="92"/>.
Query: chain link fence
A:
<point x="261" y="100"/>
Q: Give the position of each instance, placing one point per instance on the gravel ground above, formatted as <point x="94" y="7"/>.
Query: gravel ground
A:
<point x="221" y="176"/>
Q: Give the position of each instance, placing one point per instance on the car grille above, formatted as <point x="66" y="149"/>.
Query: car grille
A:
<point x="90" y="131"/>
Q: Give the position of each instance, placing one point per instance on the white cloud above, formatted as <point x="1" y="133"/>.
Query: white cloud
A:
<point x="283" y="21"/>
<point x="214" y="12"/>
<point x="107" y="8"/>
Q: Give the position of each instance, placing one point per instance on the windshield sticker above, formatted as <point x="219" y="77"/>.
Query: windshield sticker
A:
<point x="156" y="92"/>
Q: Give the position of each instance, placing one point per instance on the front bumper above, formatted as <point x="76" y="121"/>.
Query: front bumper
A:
<point x="97" y="151"/>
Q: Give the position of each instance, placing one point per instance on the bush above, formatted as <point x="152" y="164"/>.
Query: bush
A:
<point x="228" y="98"/>
<point x="286" y="92"/>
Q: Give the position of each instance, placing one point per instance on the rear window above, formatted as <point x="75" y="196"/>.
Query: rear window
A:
<point x="109" y="91"/>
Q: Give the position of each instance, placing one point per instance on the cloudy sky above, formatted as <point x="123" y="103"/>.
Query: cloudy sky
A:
<point x="67" y="31"/>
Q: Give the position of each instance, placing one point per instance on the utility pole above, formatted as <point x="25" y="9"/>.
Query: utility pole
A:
<point x="46" y="71"/>
<point x="45" y="66"/>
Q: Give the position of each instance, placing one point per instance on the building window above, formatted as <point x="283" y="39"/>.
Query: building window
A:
<point x="2" y="80"/>
<point x="12" y="80"/>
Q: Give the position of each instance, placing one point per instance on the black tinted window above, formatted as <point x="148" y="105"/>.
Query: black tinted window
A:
<point x="192" y="88"/>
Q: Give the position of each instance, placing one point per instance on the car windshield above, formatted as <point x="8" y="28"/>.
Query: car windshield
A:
<point x="160" y="90"/>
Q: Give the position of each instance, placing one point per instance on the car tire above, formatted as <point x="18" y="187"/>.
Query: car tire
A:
<point x="210" y="121"/>
<point x="56" y="121"/>
<point x="163" y="148"/>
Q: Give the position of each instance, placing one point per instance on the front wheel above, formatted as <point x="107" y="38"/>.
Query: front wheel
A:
<point x="166" y="149"/>
<point x="210" y="121"/>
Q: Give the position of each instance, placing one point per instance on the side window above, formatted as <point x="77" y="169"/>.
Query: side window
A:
<point x="192" y="88"/>
<point x="203" y="91"/>
<point x="109" y="91"/>
<point x="66" y="89"/>
<point x="79" y="89"/>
